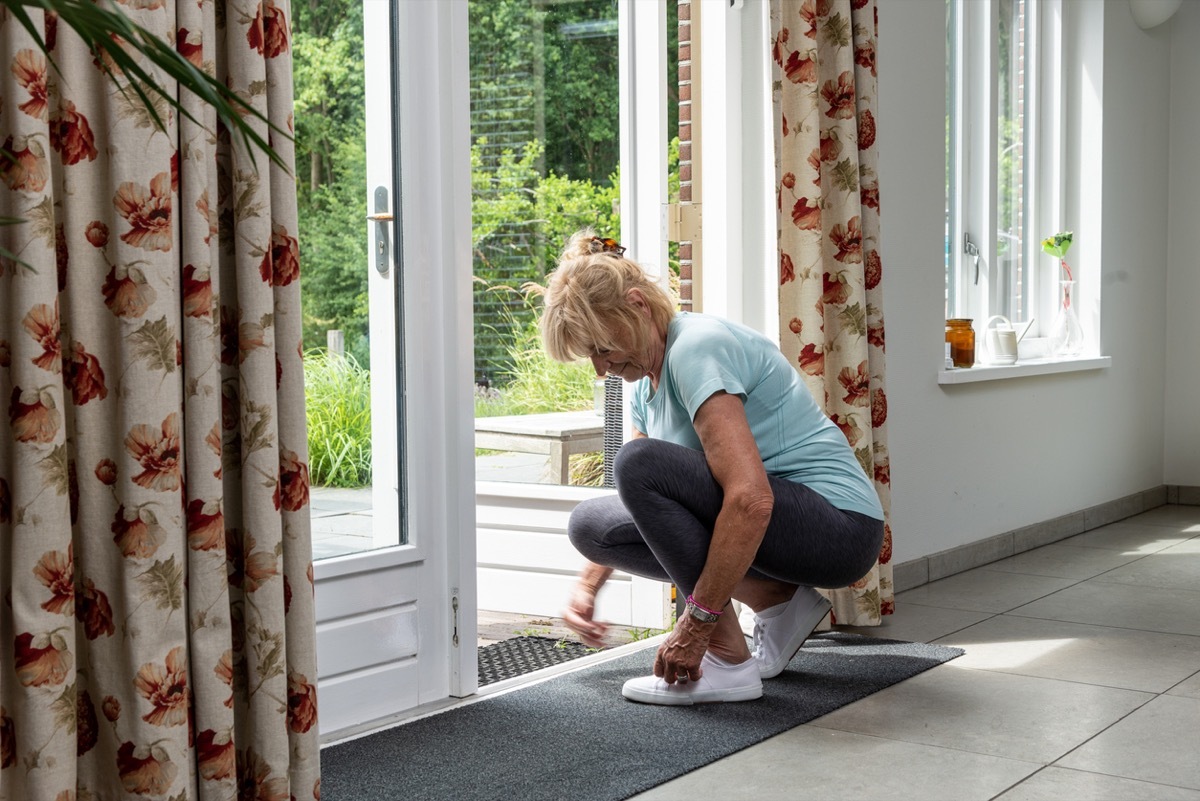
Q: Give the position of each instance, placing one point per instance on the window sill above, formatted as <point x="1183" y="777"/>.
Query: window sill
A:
<point x="1022" y="369"/>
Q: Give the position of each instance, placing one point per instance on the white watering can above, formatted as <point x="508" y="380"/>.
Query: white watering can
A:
<point x="1000" y="342"/>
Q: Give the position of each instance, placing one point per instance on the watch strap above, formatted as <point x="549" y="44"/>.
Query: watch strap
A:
<point x="703" y="615"/>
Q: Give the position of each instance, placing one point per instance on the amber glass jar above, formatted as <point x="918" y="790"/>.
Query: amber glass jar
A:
<point x="961" y="337"/>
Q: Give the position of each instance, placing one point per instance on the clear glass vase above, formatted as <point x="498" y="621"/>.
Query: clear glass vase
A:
<point x="1066" y="333"/>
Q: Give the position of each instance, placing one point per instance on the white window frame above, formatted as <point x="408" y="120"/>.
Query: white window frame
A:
<point x="740" y="279"/>
<point x="972" y="206"/>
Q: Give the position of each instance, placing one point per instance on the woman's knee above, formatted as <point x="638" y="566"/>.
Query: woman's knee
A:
<point x="634" y="457"/>
<point x="591" y="522"/>
<point x="638" y="463"/>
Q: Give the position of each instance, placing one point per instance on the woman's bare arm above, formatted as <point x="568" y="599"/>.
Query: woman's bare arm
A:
<point x="735" y="462"/>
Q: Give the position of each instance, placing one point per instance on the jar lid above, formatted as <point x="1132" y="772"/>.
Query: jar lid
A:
<point x="960" y="320"/>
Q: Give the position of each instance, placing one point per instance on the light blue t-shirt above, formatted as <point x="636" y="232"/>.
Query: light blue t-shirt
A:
<point x="796" y="440"/>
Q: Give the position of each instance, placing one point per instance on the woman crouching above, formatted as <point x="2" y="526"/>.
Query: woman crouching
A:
<point x="735" y="486"/>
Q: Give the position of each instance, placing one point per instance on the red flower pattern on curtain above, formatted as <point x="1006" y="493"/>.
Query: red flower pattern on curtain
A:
<point x="830" y="298"/>
<point x="158" y="619"/>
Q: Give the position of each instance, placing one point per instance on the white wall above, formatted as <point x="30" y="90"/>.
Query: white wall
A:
<point x="974" y="460"/>
<point x="1182" y="432"/>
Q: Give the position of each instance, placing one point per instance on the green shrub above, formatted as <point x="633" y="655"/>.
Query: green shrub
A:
<point x="338" y="406"/>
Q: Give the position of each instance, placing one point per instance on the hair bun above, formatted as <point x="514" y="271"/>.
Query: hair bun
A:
<point x="580" y="244"/>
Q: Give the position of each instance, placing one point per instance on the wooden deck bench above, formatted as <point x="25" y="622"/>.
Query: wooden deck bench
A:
<point x="556" y="434"/>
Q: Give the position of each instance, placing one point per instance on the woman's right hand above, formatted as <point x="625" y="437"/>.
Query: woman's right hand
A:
<point x="581" y="607"/>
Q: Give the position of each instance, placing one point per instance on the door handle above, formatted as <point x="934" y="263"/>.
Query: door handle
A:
<point x="382" y="217"/>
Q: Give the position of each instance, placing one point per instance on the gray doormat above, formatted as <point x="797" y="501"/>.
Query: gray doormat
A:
<point x="521" y="655"/>
<point x="575" y="737"/>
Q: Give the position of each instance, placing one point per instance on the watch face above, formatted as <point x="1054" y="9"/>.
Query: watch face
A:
<point x="701" y="615"/>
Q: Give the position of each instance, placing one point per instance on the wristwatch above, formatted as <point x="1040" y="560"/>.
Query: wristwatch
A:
<point x="700" y="614"/>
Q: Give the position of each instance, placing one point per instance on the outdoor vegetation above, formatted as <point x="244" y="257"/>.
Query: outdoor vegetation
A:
<point x="338" y="394"/>
<point x="331" y="171"/>
<point x="534" y="383"/>
<point x="544" y="163"/>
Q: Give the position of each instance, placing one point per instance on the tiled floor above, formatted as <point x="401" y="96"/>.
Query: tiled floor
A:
<point x="1081" y="680"/>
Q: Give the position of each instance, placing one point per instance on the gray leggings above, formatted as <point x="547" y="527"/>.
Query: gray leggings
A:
<point x="660" y="524"/>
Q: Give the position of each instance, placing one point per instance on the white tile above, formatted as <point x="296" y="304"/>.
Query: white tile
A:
<point x="1060" y="784"/>
<point x="983" y="590"/>
<point x="1137" y="540"/>
<point x="1064" y="561"/>
<point x="1110" y="657"/>
<point x="1177" y="567"/>
<point x="1121" y="606"/>
<point x="825" y="765"/>
<point x="915" y="623"/>
<point x="1190" y="687"/>
<point x="1016" y="717"/>
<point x="1183" y="518"/>
<point x="1159" y="743"/>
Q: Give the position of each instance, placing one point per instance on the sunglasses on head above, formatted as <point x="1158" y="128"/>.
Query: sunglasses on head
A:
<point x="604" y="244"/>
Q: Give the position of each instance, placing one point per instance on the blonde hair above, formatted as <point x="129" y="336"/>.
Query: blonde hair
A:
<point x="587" y="306"/>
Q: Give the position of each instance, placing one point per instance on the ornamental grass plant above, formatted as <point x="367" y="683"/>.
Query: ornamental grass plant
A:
<point x="338" y="407"/>
<point x="535" y="383"/>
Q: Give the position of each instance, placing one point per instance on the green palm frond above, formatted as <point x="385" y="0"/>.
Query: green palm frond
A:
<point x="97" y="23"/>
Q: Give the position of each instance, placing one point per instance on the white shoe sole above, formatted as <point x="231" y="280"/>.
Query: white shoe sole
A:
<point x="679" y="695"/>
<point x="743" y="678"/>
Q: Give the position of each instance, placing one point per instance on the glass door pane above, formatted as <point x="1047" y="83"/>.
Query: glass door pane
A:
<point x="349" y="325"/>
<point x="545" y="150"/>
<point x="545" y="147"/>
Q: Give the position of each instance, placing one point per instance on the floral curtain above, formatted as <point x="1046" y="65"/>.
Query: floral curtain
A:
<point x="830" y="298"/>
<point x="156" y="609"/>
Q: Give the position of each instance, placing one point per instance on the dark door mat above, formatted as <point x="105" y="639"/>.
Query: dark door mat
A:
<point x="521" y="655"/>
<point x="574" y="736"/>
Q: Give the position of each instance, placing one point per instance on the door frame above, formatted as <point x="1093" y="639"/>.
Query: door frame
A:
<point x="416" y="601"/>
<point x="439" y="338"/>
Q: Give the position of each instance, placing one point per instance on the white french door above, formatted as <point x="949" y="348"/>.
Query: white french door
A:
<point x="396" y="625"/>
<point x="526" y="563"/>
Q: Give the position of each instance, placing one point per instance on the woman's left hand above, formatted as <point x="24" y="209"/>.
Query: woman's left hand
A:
<point x="679" y="657"/>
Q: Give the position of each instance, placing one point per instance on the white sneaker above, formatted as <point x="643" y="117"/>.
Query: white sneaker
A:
<point x="721" y="681"/>
<point x="780" y="630"/>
